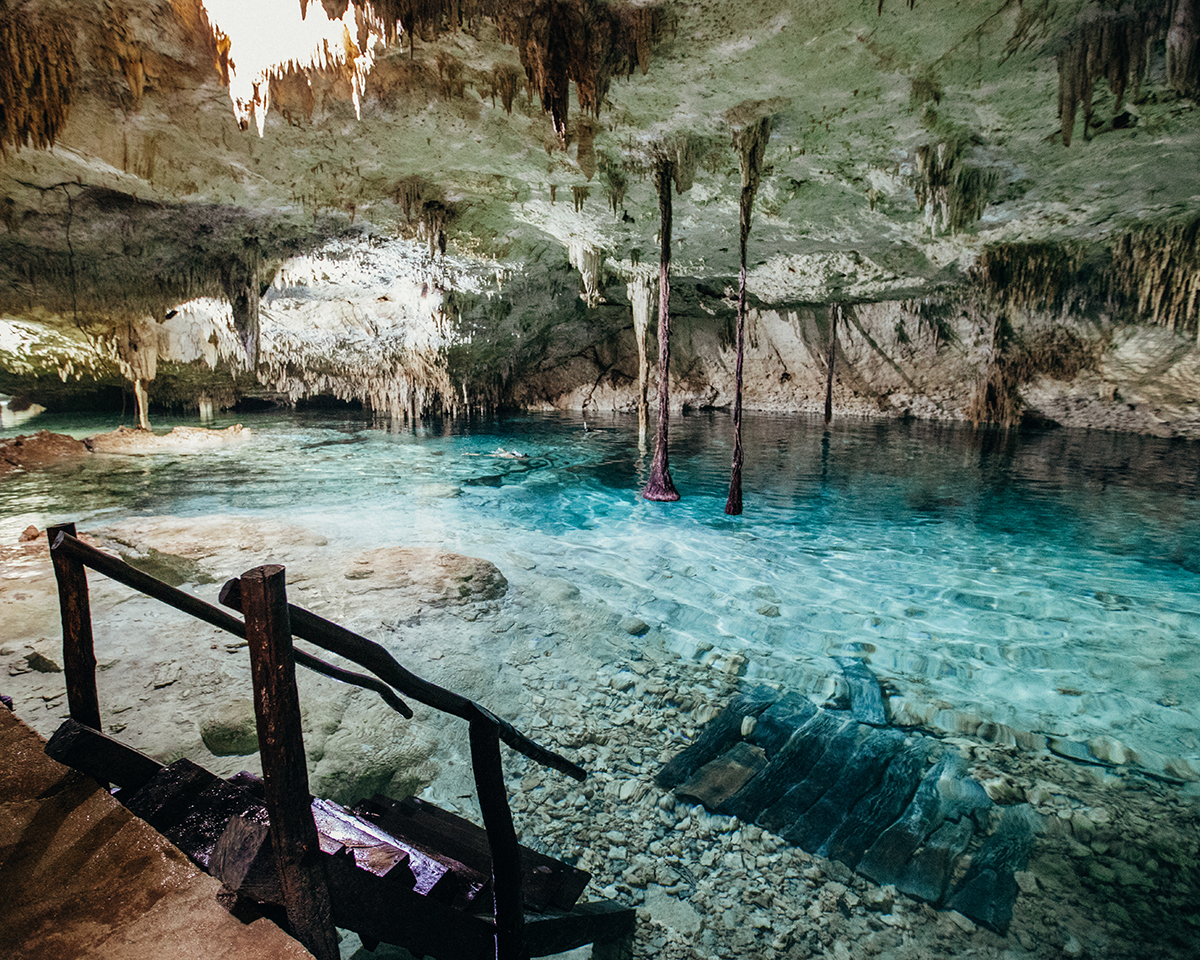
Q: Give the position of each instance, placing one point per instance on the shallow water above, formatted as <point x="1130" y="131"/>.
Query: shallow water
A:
<point x="1048" y="581"/>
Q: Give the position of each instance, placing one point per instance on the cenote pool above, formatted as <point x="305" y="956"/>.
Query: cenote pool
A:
<point x="1003" y="585"/>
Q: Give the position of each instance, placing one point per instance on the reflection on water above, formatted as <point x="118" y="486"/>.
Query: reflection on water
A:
<point x="1047" y="581"/>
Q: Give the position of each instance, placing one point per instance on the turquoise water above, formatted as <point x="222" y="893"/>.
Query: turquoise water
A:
<point x="1048" y="581"/>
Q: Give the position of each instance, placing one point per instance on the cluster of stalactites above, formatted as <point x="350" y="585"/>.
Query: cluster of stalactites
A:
<point x="37" y="82"/>
<point x="1040" y="276"/>
<point x="1158" y="269"/>
<point x="1116" y="43"/>
<point x="589" y="261"/>
<point x="587" y="42"/>
<point x="952" y="191"/>
<point x="1151" y="274"/>
<point x="400" y="381"/>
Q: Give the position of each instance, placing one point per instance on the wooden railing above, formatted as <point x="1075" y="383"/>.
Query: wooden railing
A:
<point x="268" y="626"/>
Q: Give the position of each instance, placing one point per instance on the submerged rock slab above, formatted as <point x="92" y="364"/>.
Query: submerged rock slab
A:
<point x="431" y="576"/>
<point x="866" y="697"/>
<point x="898" y="807"/>
<point x="125" y="440"/>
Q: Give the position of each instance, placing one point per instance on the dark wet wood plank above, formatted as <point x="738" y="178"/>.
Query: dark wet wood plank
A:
<point x="100" y="756"/>
<point x="165" y="799"/>
<point x="502" y="838"/>
<point x="720" y="779"/>
<point x="242" y="859"/>
<point x="546" y="882"/>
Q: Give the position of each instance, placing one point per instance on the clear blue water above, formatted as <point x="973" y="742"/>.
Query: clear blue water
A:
<point x="1046" y="581"/>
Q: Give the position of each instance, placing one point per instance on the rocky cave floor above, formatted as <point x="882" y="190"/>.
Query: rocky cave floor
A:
<point x="1115" y="873"/>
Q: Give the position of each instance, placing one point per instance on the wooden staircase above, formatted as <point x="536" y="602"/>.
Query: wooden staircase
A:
<point x="402" y="872"/>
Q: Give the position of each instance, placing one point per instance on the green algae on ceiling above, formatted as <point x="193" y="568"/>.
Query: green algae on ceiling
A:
<point x="853" y="191"/>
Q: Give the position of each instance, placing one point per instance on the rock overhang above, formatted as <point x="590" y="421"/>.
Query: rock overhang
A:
<point x="145" y="199"/>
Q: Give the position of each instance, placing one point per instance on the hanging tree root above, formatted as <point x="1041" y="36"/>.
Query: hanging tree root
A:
<point x="660" y="486"/>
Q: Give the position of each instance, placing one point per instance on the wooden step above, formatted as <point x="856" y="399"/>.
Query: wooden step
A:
<point x="547" y="882"/>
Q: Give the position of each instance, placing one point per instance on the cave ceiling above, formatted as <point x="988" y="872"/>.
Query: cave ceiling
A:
<point x="905" y="138"/>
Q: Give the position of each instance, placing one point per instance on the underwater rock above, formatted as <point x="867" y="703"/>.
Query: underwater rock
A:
<point x="635" y="627"/>
<point x="880" y="807"/>
<point x="427" y="575"/>
<point x="40" y="663"/>
<point x="866" y="697"/>
<point x="860" y="794"/>
<point x="887" y="859"/>
<point x="125" y="440"/>
<point x="41" y="449"/>
<point x="859" y="776"/>
<point x="988" y="889"/>
<point x="231" y="730"/>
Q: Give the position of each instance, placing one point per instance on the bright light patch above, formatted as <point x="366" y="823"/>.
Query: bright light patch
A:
<point x="266" y="36"/>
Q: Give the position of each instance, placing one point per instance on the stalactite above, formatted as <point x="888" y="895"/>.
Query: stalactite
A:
<point x="38" y="81"/>
<point x="685" y="153"/>
<point x="579" y="195"/>
<point x="660" y="486"/>
<point x="506" y="80"/>
<point x="432" y="225"/>
<point x="450" y="76"/>
<point x="750" y="142"/>
<point x="137" y="358"/>
<point x="1156" y="269"/>
<point x="410" y="194"/>
<point x="1111" y="41"/>
<point x="641" y="302"/>
<point x="589" y="261"/>
<point x="292" y="94"/>
<point x="952" y="191"/>
<point x="239" y="278"/>
<point x="585" y="152"/>
<point x="1183" y="49"/>
<point x="615" y="182"/>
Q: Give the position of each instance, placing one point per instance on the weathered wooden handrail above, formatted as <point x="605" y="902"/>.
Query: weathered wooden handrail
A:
<point x="64" y="544"/>
<point x="270" y="624"/>
<point x="366" y="653"/>
<point x="285" y="772"/>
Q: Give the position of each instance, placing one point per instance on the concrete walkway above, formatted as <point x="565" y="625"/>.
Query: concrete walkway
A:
<point x="81" y="877"/>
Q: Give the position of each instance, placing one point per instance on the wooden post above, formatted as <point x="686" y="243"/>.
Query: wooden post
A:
<point x="79" y="653"/>
<point x="509" y="907"/>
<point x="285" y="774"/>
